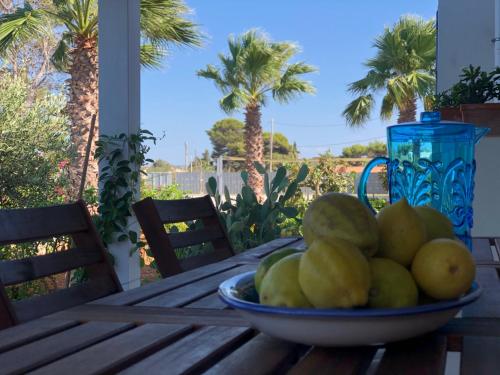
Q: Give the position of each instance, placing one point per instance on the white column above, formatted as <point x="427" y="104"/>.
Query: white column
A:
<point x="119" y="96"/>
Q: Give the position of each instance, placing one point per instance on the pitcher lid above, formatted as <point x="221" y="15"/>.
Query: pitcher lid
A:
<point x="431" y="128"/>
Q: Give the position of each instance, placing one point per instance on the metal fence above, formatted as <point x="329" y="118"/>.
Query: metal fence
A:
<point x="194" y="182"/>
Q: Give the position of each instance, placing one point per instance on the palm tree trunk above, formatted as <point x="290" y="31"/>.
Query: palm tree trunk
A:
<point x="408" y="112"/>
<point x="254" y="148"/>
<point x="82" y="105"/>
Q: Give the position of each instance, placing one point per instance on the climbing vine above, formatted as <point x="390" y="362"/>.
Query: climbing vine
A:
<point x="122" y="158"/>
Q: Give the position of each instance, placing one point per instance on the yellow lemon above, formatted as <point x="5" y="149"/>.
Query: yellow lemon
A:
<point x="267" y="262"/>
<point x="392" y="285"/>
<point x="444" y="269"/>
<point x="436" y="224"/>
<point x="401" y="231"/>
<point x="280" y="286"/>
<point x="336" y="215"/>
<point x="334" y="274"/>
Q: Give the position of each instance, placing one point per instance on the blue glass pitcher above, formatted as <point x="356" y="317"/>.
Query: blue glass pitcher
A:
<point x="431" y="163"/>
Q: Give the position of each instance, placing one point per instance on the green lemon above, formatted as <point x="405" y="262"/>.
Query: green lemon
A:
<point x="266" y="263"/>
<point x="280" y="286"/>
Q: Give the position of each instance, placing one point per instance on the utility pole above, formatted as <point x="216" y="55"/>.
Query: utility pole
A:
<point x="271" y="146"/>
<point x="186" y="156"/>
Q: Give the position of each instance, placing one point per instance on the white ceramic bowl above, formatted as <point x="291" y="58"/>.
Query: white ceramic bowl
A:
<point x="339" y="327"/>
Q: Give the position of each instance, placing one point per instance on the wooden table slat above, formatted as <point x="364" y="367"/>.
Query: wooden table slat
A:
<point x="480" y="355"/>
<point x="421" y="356"/>
<point x="31" y="331"/>
<point x="481" y="249"/>
<point x="195" y="290"/>
<point x="267" y="248"/>
<point x="261" y="355"/>
<point x="496" y="256"/>
<point x="335" y="361"/>
<point x="191" y="352"/>
<point x="211" y="301"/>
<point x="117" y="352"/>
<point x="471" y="326"/>
<point x="151" y="290"/>
<point x="488" y="305"/>
<point x="155" y="314"/>
<point x="41" y="352"/>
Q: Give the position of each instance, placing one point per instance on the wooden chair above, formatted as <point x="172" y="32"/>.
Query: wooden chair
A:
<point x="154" y="214"/>
<point x="32" y="224"/>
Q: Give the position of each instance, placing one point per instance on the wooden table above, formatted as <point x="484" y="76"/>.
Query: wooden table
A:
<point x="179" y="325"/>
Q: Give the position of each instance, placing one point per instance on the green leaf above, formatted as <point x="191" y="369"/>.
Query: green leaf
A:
<point x="211" y="186"/>
<point x="244" y="177"/>
<point x="227" y="196"/>
<point x="289" y="212"/>
<point x="278" y="178"/>
<point x="303" y="172"/>
<point x="259" y="167"/>
<point x="226" y="206"/>
<point x="133" y="236"/>
<point x="248" y="195"/>
<point x="290" y="192"/>
<point x="237" y="226"/>
<point x="266" y="185"/>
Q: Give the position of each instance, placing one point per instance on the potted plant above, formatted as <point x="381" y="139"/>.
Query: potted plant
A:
<point x="469" y="100"/>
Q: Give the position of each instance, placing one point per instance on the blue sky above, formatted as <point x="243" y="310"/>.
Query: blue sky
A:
<point x="335" y="36"/>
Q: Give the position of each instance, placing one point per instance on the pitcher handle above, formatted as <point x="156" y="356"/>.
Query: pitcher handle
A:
<point x="364" y="180"/>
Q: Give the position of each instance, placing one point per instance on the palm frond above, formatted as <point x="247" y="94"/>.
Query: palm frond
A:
<point x="78" y="16"/>
<point x="292" y="88"/>
<point x="21" y="26"/>
<point x="213" y="73"/>
<point x="60" y="57"/>
<point x="373" y="81"/>
<point x="400" y="90"/>
<point x="164" y="22"/>
<point x="358" y="111"/>
<point x="231" y="102"/>
<point x="387" y="107"/>
<point x="423" y="83"/>
<point x="290" y="85"/>
<point x="152" y="55"/>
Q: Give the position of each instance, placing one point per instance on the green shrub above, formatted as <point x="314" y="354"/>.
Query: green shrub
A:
<point x="164" y="192"/>
<point x="378" y="203"/>
<point x="34" y="146"/>
<point x="34" y="153"/>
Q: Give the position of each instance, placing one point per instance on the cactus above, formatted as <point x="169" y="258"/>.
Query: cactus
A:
<point x="249" y="222"/>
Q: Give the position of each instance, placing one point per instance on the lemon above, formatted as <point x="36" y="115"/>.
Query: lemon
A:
<point x="401" y="231"/>
<point x="336" y="215"/>
<point x="280" y="286"/>
<point x="267" y="263"/>
<point x="334" y="274"/>
<point x="444" y="269"/>
<point x="436" y="224"/>
<point x="392" y="285"/>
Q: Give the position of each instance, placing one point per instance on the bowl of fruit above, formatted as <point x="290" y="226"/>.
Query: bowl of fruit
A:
<point x="362" y="280"/>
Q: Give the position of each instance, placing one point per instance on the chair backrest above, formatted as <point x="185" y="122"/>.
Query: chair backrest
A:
<point x="154" y="214"/>
<point x="33" y="224"/>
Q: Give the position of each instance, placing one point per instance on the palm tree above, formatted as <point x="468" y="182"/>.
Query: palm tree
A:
<point x="163" y="23"/>
<point x="403" y="68"/>
<point x="255" y="69"/>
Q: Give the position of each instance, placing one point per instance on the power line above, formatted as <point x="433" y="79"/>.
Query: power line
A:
<point x="289" y="124"/>
<point x="342" y="143"/>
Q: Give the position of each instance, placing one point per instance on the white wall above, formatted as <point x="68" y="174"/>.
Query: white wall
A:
<point x="465" y="30"/>
<point x="119" y="98"/>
